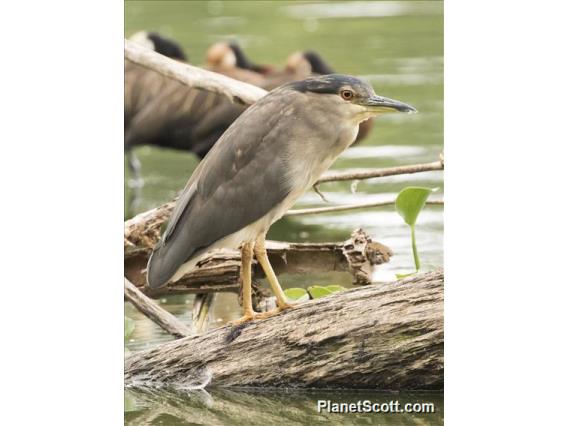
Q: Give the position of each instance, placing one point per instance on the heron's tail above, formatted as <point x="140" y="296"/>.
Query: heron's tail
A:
<point x="165" y="264"/>
<point x="157" y="272"/>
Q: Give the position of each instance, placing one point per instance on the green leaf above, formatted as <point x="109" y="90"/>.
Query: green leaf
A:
<point x="297" y="294"/>
<point x="401" y="276"/>
<point x="128" y="327"/>
<point x="335" y="288"/>
<point x="410" y="201"/>
<point x="318" y="291"/>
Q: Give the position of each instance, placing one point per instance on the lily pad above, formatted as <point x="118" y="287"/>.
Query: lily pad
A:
<point x="335" y="288"/>
<point x="297" y="294"/>
<point x="318" y="291"/>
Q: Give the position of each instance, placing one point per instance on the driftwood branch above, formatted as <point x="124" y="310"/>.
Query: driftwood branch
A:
<point x="143" y="230"/>
<point x="344" y="207"/>
<point x="236" y="91"/>
<point x="160" y="316"/>
<point x="221" y="271"/>
<point x="377" y="173"/>
<point x="386" y="336"/>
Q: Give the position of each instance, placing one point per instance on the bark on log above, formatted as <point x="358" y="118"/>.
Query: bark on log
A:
<point x="386" y="336"/>
<point x="149" y="308"/>
<point x="221" y="271"/>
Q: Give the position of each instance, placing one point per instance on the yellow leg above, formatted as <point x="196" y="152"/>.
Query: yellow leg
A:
<point x="246" y="260"/>
<point x="262" y="257"/>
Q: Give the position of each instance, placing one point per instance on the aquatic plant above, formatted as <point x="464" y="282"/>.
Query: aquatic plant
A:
<point x="409" y="203"/>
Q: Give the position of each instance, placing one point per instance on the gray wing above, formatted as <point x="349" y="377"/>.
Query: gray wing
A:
<point x="238" y="182"/>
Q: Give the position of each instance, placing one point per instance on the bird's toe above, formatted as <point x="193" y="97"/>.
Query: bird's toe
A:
<point x="245" y="318"/>
<point x="286" y="306"/>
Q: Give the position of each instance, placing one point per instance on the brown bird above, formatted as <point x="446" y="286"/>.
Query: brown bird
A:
<point x="163" y="112"/>
<point x="142" y="85"/>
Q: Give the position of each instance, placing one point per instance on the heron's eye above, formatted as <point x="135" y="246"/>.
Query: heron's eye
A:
<point x="347" y="95"/>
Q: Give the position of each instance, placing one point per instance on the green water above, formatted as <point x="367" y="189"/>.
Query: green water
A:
<point x="398" y="47"/>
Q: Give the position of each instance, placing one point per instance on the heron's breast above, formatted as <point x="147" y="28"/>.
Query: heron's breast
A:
<point x="313" y="156"/>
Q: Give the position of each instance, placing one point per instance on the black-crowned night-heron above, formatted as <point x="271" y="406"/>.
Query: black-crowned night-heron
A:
<point x="260" y="166"/>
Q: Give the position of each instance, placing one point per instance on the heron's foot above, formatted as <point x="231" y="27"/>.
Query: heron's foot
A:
<point x="248" y="316"/>
<point x="279" y="309"/>
<point x="285" y="306"/>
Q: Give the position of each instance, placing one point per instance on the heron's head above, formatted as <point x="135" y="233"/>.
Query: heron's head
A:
<point x="159" y="43"/>
<point x="349" y="96"/>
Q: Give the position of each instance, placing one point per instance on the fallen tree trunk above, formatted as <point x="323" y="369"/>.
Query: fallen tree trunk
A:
<point x="221" y="271"/>
<point x="386" y="336"/>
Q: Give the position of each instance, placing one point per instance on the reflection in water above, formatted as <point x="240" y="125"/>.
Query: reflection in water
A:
<point x="147" y="406"/>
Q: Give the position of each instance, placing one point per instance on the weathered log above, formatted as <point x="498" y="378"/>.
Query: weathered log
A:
<point x="148" y="307"/>
<point x="386" y="336"/>
<point x="221" y="271"/>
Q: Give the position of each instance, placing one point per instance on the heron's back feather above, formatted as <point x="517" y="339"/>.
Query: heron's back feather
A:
<point x="239" y="181"/>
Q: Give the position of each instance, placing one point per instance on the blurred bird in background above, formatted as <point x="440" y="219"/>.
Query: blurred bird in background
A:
<point x="163" y="112"/>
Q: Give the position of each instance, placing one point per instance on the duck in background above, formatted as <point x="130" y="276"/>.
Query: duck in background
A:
<point x="163" y="112"/>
